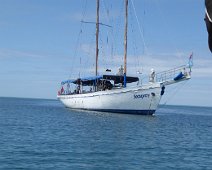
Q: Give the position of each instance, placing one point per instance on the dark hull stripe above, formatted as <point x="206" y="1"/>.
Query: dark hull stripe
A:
<point x="136" y="112"/>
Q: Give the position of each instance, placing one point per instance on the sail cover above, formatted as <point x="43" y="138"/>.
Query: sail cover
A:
<point x="120" y="79"/>
<point x="86" y="81"/>
<point x="208" y="21"/>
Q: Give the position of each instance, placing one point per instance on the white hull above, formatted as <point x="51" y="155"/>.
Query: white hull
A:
<point x="135" y="100"/>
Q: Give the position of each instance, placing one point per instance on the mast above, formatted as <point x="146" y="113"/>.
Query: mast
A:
<point x="97" y="35"/>
<point x="125" y="43"/>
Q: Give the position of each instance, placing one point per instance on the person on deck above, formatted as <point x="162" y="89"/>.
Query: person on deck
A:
<point x="62" y="90"/>
<point x="152" y="76"/>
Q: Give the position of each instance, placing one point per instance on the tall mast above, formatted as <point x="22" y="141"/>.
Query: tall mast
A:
<point x="125" y="42"/>
<point x="97" y="35"/>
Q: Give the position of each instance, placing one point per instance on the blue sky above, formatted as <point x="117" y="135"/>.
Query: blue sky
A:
<point x="41" y="44"/>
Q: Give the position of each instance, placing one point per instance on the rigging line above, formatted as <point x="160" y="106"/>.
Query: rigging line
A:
<point x="176" y="89"/>
<point x="119" y="26"/>
<point x="110" y="31"/>
<point x="90" y="22"/>
<point x="107" y="11"/>
<point x="140" y="28"/>
<point x="111" y="20"/>
<point x="78" y="38"/>
<point x="134" y="45"/>
<point x="107" y="17"/>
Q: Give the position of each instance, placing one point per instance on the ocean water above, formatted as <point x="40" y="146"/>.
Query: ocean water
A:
<point x="41" y="134"/>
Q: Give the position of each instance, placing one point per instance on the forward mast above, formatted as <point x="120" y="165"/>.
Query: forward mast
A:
<point x="125" y="39"/>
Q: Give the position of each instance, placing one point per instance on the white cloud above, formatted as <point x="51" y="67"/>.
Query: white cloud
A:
<point x="88" y="49"/>
<point x="8" y="53"/>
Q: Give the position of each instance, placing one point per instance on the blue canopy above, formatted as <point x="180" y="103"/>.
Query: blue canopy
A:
<point x="67" y="81"/>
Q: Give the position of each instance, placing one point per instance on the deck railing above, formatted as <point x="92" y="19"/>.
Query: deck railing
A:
<point x="170" y="74"/>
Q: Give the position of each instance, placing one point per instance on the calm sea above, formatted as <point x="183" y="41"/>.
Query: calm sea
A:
<point x="42" y="134"/>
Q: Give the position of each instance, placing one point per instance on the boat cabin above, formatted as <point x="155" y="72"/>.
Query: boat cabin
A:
<point x="93" y="84"/>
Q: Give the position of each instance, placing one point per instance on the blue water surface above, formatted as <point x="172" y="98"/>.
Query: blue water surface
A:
<point x="40" y="134"/>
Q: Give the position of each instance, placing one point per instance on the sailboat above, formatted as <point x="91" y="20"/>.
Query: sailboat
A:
<point x="113" y="93"/>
